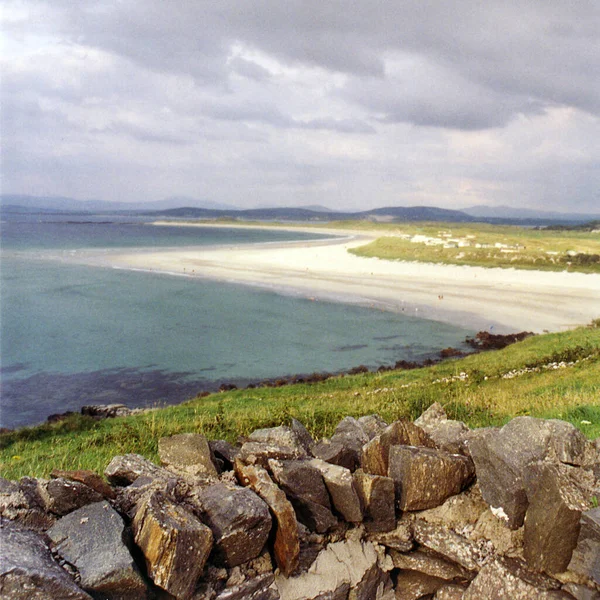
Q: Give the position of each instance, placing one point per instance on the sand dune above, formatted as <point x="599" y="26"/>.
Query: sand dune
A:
<point x="502" y="299"/>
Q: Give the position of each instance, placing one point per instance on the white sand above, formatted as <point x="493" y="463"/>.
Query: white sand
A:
<point x="506" y="299"/>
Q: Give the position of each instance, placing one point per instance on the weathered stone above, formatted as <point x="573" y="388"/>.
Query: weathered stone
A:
<point x="500" y="579"/>
<point x="501" y="457"/>
<point x="28" y="571"/>
<point x="449" y="591"/>
<point x="376" y="584"/>
<point x="302" y="435"/>
<point x="338" y="568"/>
<point x="91" y="539"/>
<point x="506" y="542"/>
<point x="287" y="544"/>
<point x="106" y="411"/>
<point x="260" y="452"/>
<point x="174" y="542"/>
<point x="66" y="496"/>
<point x="89" y="478"/>
<point x="187" y="453"/>
<point x="425" y="477"/>
<point x="448" y="434"/>
<point x="352" y="437"/>
<point x="375" y="454"/>
<point x="335" y="453"/>
<point x="376" y="494"/>
<point x="586" y="556"/>
<point x="305" y="488"/>
<point x="449" y="544"/>
<point x="401" y="538"/>
<point x="239" y="519"/>
<point x="457" y="512"/>
<point x="15" y="505"/>
<point x="257" y="588"/>
<point x="581" y="592"/>
<point x="224" y="451"/>
<point x="372" y="425"/>
<point x="430" y="564"/>
<point x="124" y="470"/>
<point x="279" y="436"/>
<point x="412" y="585"/>
<point x="34" y="491"/>
<point x="341" y="488"/>
<point x="432" y="416"/>
<point x="556" y="501"/>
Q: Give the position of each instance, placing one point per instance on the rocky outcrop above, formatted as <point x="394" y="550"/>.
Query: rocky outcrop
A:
<point x="407" y="510"/>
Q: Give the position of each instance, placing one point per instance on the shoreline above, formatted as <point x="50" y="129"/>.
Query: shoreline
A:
<point x="502" y="300"/>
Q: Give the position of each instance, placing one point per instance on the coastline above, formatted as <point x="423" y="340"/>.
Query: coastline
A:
<point x="502" y="300"/>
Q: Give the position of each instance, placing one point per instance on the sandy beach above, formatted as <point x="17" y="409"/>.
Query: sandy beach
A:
<point x="503" y="300"/>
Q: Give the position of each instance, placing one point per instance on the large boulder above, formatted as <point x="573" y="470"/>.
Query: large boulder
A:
<point x="28" y="571"/>
<point x="239" y="519"/>
<point x="287" y="544"/>
<point x="425" y="477"/>
<point x="304" y="486"/>
<point x="91" y="539"/>
<point x="501" y="457"/>
<point x="188" y="453"/>
<point x="174" y="542"/>
<point x="375" y="453"/>
<point x="557" y="497"/>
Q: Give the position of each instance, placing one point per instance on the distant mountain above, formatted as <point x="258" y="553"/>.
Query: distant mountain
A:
<point x="23" y="203"/>
<point x="507" y="212"/>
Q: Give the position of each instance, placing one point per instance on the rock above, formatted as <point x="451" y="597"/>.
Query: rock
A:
<point x="372" y="425"/>
<point x="501" y="457"/>
<point x="302" y="435"/>
<point x="500" y="579"/>
<point x="304" y="486"/>
<point x="432" y="416"/>
<point x="338" y="568"/>
<point x="556" y="501"/>
<point x="91" y="539"/>
<point x="448" y="435"/>
<point x="224" y="451"/>
<point x="124" y="470"/>
<point x="376" y="452"/>
<point x="106" y="411"/>
<point x="430" y="564"/>
<point x="449" y="544"/>
<point x="425" y="477"/>
<point x="586" y="556"/>
<point x="449" y="592"/>
<point x="376" y="494"/>
<point x="287" y="544"/>
<point x="260" y="453"/>
<point x="89" y="478"/>
<point x="412" y="585"/>
<point x="239" y="519"/>
<point x="341" y="488"/>
<point x="66" y="496"/>
<point x="335" y="453"/>
<point x="352" y="437"/>
<point x="457" y="512"/>
<point x="174" y="542"/>
<point x="376" y="584"/>
<point x="15" y="505"/>
<point x="187" y="453"/>
<point x="506" y="542"/>
<point x="257" y="588"/>
<point x="27" y="570"/>
<point x="581" y="592"/>
<point x="400" y="538"/>
<point x="279" y="436"/>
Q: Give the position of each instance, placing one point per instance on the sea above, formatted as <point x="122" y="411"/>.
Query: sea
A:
<point x="72" y="334"/>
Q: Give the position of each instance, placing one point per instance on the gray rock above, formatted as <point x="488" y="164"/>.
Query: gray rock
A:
<point x="376" y="584"/>
<point x="342" y="491"/>
<point x="501" y="579"/>
<point x="567" y="443"/>
<point x="457" y="512"/>
<point x="257" y="588"/>
<point x="372" y="425"/>
<point x="430" y="564"/>
<point x="91" y="539"/>
<point x="335" y="453"/>
<point x="351" y="436"/>
<point x="175" y="544"/>
<point x="286" y="546"/>
<point x="377" y="497"/>
<point x="187" y="453"/>
<point x="28" y="571"/>
<point x="432" y="416"/>
<point x="412" y="585"/>
<point x="279" y="436"/>
<point x="239" y="519"/>
<point x="304" y="486"/>
<point x="302" y="435"/>
<point x="425" y="477"/>
<point x="224" y="451"/>
<point x="66" y="496"/>
<point x="450" y="591"/>
<point x="106" y="411"/>
<point x="581" y="592"/>
<point x="400" y="538"/>
<point x="586" y="556"/>
<point x="124" y="470"/>
<point x="556" y="501"/>
<point x="89" y="478"/>
<point x="15" y="505"/>
<point x="375" y="454"/>
<point x="260" y="452"/>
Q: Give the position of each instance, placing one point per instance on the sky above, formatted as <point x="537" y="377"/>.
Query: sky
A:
<point x="351" y="105"/>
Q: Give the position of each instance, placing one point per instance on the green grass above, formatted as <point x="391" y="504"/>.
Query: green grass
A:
<point x="483" y="398"/>
<point x="525" y="248"/>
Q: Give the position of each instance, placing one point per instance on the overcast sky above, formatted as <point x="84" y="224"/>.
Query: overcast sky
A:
<point x="352" y="105"/>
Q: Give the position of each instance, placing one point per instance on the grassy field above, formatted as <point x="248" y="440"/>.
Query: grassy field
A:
<point x="481" y="389"/>
<point x="485" y="245"/>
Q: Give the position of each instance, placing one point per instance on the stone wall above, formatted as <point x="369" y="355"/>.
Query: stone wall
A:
<point x="402" y="511"/>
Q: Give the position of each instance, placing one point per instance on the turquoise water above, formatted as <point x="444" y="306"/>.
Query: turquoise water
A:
<point x="75" y="335"/>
